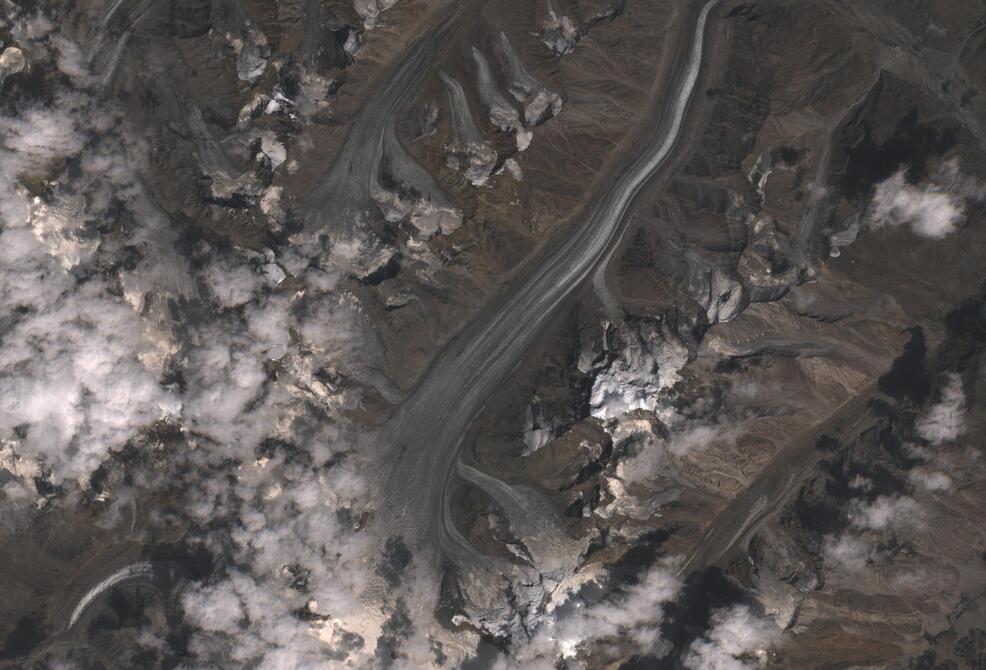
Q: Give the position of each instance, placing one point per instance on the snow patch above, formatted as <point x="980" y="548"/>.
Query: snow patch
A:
<point x="646" y="365"/>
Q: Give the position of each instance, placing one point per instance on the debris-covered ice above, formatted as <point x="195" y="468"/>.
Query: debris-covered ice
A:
<point x="412" y="193"/>
<point x="502" y="114"/>
<point x="513" y="167"/>
<point x="425" y="216"/>
<point x="272" y="149"/>
<point x="262" y="103"/>
<point x="370" y="10"/>
<point x="537" y="430"/>
<point x="353" y="42"/>
<point x="559" y="32"/>
<point x="846" y="236"/>
<point x="227" y="181"/>
<point x="467" y="144"/>
<point x="252" y="54"/>
<point x="722" y="295"/>
<point x="541" y="104"/>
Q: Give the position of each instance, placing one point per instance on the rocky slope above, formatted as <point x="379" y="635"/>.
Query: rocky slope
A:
<point x="236" y="235"/>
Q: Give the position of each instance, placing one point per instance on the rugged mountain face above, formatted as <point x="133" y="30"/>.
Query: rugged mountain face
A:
<point x="582" y="334"/>
<point x="752" y="405"/>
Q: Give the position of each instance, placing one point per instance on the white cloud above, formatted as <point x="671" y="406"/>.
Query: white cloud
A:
<point x="216" y="608"/>
<point x="72" y="383"/>
<point x="81" y="375"/>
<point x="232" y="283"/>
<point x="38" y="137"/>
<point x="279" y="529"/>
<point x="695" y="438"/>
<point x="62" y="664"/>
<point x="929" y="213"/>
<point x="634" y="614"/>
<point x="933" y="209"/>
<point x="650" y="460"/>
<point x="71" y="60"/>
<point x="886" y="512"/>
<point x="32" y="27"/>
<point x="861" y="483"/>
<point x="651" y="457"/>
<point x="848" y="552"/>
<point x="81" y="366"/>
<point x="930" y="480"/>
<point x="737" y="639"/>
<point x="945" y="421"/>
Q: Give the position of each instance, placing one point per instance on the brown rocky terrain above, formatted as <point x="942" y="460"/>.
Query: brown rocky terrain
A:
<point x="810" y="358"/>
<point x="748" y="435"/>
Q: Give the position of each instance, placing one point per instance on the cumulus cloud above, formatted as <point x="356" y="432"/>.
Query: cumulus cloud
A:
<point x="652" y="453"/>
<point x="930" y="480"/>
<point x="855" y="549"/>
<point x="38" y="137"/>
<point x="945" y="421"/>
<point x="932" y="209"/>
<point x="62" y="664"/>
<point x="232" y="283"/>
<point x="270" y="485"/>
<point x="695" y="438"/>
<point x="637" y="612"/>
<point x="861" y="483"/>
<point x="930" y="213"/>
<point x="280" y="496"/>
<point x="650" y="458"/>
<point x="632" y="614"/>
<point x="737" y="639"/>
<point x="82" y="363"/>
<point x="886" y="512"/>
<point x="286" y="525"/>
<point x="848" y="552"/>
<point x="73" y="384"/>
